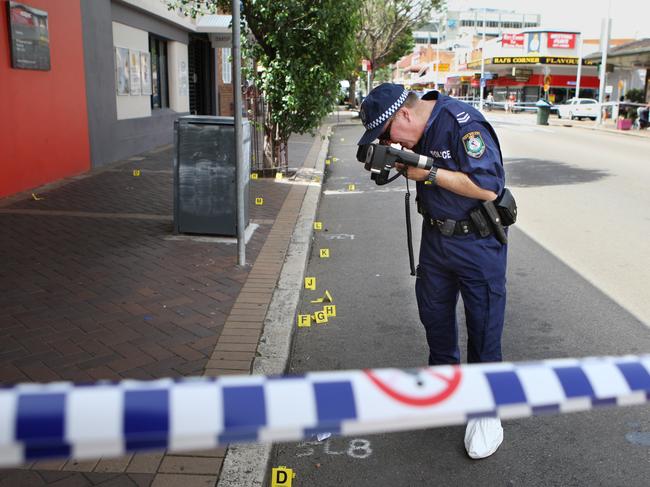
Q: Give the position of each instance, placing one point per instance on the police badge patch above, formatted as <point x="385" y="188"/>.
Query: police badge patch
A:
<point x="474" y="145"/>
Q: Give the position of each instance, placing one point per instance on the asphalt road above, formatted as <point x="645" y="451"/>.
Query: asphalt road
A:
<point x="560" y="304"/>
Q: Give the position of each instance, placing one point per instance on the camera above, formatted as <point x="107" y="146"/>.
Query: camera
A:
<point x="380" y="159"/>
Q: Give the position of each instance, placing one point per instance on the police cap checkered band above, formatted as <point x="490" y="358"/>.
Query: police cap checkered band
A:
<point x="378" y="107"/>
<point x="389" y="111"/>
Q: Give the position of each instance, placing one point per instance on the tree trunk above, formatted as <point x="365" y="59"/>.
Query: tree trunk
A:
<point x="270" y="151"/>
<point x="276" y="151"/>
<point x="352" y="92"/>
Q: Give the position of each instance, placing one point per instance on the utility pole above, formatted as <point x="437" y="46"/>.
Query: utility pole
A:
<point x="437" y="51"/>
<point x="240" y="172"/>
<point x="481" y="81"/>
<point x="606" y="28"/>
<point x="578" y="76"/>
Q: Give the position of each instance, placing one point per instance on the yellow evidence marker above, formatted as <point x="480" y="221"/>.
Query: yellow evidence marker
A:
<point x="351" y="187"/>
<point x="330" y="310"/>
<point x="254" y="175"/>
<point x="282" y="476"/>
<point x="327" y="162"/>
<point x="318" y="225"/>
<point x="136" y="172"/>
<point x="320" y="317"/>
<point x="259" y="201"/>
<point x="327" y="298"/>
<point x="304" y="321"/>
<point x="324" y="253"/>
<point x="310" y="283"/>
<point x="278" y="176"/>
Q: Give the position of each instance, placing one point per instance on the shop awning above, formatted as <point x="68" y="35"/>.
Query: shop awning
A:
<point x="633" y="55"/>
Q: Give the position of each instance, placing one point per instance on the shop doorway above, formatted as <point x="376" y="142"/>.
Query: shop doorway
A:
<point x="201" y="74"/>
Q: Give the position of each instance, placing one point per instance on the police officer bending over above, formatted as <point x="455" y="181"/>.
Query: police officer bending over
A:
<point x="456" y="253"/>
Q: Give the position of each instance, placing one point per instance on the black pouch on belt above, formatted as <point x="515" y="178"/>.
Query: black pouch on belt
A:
<point x="495" y="221"/>
<point x="480" y="222"/>
<point x="507" y="207"/>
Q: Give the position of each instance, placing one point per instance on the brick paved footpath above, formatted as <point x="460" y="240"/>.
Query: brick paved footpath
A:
<point x="93" y="285"/>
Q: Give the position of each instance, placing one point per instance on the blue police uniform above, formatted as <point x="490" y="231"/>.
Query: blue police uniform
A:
<point x="459" y="138"/>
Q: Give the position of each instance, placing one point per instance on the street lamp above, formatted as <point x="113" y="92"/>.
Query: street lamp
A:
<point x="604" y="44"/>
<point x="239" y="143"/>
<point x="607" y="25"/>
<point x="482" y="81"/>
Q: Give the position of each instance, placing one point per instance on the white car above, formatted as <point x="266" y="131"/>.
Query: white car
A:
<point x="578" y="108"/>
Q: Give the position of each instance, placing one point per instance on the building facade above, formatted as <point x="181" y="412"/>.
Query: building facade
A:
<point x="118" y="73"/>
<point x="44" y="127"/>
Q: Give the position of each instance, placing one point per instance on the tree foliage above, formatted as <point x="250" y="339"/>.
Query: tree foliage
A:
<point x="302" y="49"/>
<point x="387" y="26"/>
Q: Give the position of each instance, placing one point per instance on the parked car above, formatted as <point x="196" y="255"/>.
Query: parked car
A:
<point x="578" y="108"/>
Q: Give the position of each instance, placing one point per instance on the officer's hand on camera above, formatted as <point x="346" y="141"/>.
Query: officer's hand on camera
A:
<point x="413" y="173"/>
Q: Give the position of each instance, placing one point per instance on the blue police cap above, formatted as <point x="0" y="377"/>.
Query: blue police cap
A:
<point x="380" y="104"/>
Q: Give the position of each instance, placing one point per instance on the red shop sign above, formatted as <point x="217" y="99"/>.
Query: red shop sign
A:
<point x="561" y="40"/>
<point x="512" y="40"/>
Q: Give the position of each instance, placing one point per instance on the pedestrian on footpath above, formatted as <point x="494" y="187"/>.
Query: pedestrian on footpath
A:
<point x="454" y="258"/>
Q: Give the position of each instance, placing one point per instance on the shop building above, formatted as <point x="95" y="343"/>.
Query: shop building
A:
<point x="531" y="65"/>
<point x="44" y="123"/>
<point x="88" y="82"/>
<point x="628" y="67"/>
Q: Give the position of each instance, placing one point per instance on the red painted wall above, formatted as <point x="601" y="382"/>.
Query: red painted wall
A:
<point x="43" y="116"/>
<point x="557" y="81"/>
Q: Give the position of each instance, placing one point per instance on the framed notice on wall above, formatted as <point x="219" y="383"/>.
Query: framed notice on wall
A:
<point x="122" y="70"/>
<point x="29" y="36"/>
<point x="134" y="76"/>
<point x="145" y="68"/>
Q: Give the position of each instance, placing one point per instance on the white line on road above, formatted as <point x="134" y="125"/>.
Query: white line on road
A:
<point x="333" y="192"/>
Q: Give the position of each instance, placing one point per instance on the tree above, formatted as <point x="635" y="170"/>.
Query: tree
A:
<point x="635" y="95"/>
<point x="303" y="49"/>
<point x="386" y="32"/>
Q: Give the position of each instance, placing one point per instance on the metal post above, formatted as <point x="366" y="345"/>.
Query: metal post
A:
<point x="606" y="26"/>
<point x="578" y="76"/>
<point x="239" y="144"/>
<point x="480" y="102"/>
<point x="437" y="52"/>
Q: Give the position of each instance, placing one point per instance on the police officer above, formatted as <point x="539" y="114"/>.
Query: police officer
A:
<point x="454" y="257"/>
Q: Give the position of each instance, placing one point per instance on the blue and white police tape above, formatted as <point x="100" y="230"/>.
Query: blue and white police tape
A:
<point x="110" y="419"/>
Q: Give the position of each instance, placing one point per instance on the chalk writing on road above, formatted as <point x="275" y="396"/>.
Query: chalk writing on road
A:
<point x="357" y="448"/>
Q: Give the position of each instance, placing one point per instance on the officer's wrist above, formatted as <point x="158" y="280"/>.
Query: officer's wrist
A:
<point x="433" y="174"/>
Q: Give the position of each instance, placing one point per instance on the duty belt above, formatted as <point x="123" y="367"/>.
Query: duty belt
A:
<point x="450" y="227"/>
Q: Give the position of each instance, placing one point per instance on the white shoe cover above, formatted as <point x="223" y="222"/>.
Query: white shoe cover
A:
<point x="483" y="436"/>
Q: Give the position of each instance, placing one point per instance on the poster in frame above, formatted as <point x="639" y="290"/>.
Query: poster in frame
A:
<point x="122" y="71"/>
<point x="145" y="67"/>
<point x="135" y="87"/>
<point x="29" y="37"/>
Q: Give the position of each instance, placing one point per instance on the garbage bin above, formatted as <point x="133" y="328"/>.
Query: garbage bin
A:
<point x="543" y="112"/>
<point x="205" y="189"/>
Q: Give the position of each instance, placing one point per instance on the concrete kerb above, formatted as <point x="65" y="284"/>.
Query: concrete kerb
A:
<point x="247" y="464"/>
<point x="629" y="133"/>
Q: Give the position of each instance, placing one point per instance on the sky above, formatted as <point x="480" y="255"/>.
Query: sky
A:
<point x="630" y="18"/>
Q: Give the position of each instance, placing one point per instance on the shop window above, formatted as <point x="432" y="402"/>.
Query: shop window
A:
<point x="226" y="67"/>
<point x="159" y="87"/>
